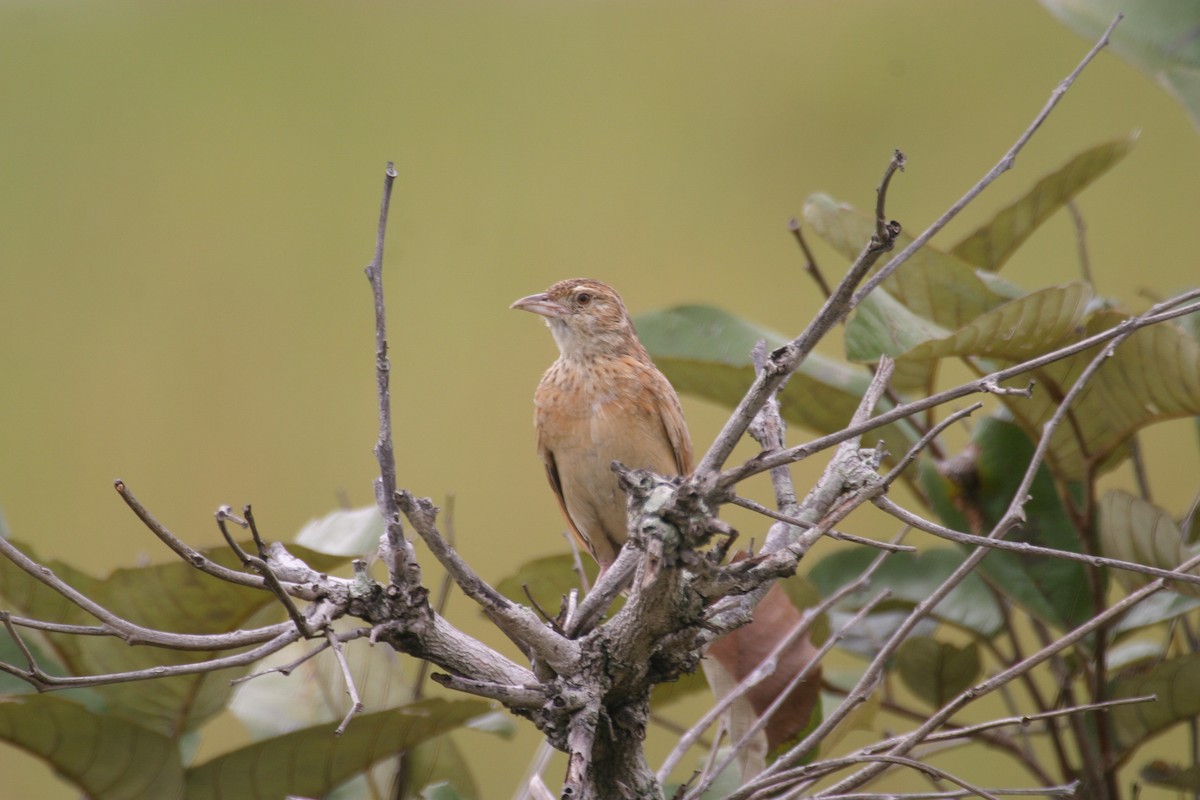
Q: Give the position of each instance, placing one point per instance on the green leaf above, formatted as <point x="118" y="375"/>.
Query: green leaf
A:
<point x="936" y="671"/>
<point x="198" y="604"/>
<point x="1176" y="682"/>
<point x="106" y="757"/>
<point x="971" y="492"/>
<point x="1018" y="330"/>
<point x="1153" y="376"/>
<point x="705" y="351"/>
<point x="549" y="579"/>
<point x="883" y="326"/>
<point x="1189" y="322"/>
<point x="664" y="694"/>
<point x="994" y="242"/>
<point x="1158" y="38"/>
<point x="31" y="598"/>
<point x="1132" y="529"/>
<point x="911" y="578"/>
<point x="312" y="761"/>
<point x="1135" y="651"/>
<point x="1156" y="609"/>
<point x="352" y="532"/>
<point x="932" y="284"/>
<point x="1172" y="776"/>
<point x="438" y="766"/>
<point x="441" y="791"/>
<point x="315" y="691"/>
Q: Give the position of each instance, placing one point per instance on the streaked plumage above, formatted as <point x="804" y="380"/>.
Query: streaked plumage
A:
<point x="603" y="400"/>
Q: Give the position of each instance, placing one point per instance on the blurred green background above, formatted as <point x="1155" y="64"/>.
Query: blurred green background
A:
<point x="188" y="193"/>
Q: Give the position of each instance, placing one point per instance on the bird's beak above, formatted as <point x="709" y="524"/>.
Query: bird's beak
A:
<point x="540" y="304"/>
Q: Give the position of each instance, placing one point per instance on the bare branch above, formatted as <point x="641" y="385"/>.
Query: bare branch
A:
<point x="1025" y="548"/>
<point x="290" y="667"/>
<point x="517" y="622"/>
<point x="925" y="440"/>
<point x="765" y="716"/>
<point x="810" y="263"/>
<point x="986" y="687"/>
<point x="787" y="359"/>
<point x="759" y="508"/>
<point x="756" y="676"/>
<point x="394" y="548"/>
<point x="193" y="556"/>
<point x="1022" y="720"/>
<point x="131" y="632"/>
<point x="765" y="461"/>
<point x="356" y="704"/>
<point x="42" y="681"/>
<point x="1003" y="165"/>
<point x="532" y="695"/>
<point x="1064" y="790"/>
<point x="597" y="601"/>
<point x="1085" y="263"/>
<point x="1011" y="517"/>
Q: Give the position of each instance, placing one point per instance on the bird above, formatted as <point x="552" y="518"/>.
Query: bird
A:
<point x="603" y="400"/>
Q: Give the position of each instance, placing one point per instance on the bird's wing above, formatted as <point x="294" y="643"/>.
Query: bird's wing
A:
<point x="556" y="484"/>
<point x="670" y="414"/>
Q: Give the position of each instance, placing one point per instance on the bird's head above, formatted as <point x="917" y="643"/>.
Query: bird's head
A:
<point x="586" y="317"/>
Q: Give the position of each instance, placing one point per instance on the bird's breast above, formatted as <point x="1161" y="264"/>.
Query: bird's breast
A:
<point x="606" y="408"/>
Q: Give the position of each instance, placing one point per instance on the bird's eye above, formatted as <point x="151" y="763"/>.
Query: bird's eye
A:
<point x="583" y="298"/>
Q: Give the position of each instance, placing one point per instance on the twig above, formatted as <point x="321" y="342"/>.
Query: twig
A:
<point x="1013" y="516"/>
<point x="1085" y="263"/>
<point x="833" y="765"/>
<point x="526" y="788"/>
<point x="607" y="587"/>
<point x="395" y="549"/>
<point x="766" y="461"/>
<point x="516" y="622"/>
<point x="1024" y="720"/>
<point x="710" y="761"/>
<point x="925" y="440"/>
<point x="194" y="557"/>
<point x="58" y="627"/>
<point x="225" y="514"/>
<point x="524" y="696"/>
<point x="886" y="231"/>
<point x="248" y="513"/>
<point x="810" y="262"/>
<point x="765" y="716"/>
<point x="753" y="678"/>
<point x="1002" y="166"/>
<point x="1139" y="468"/>
<point x="1024" y="548"/>
<point x="986" y="687"/>
<point x="439" y="604"/>
<point x="577" y="561"/>
<point x="43" y="682"/>
<point x="787" y="359"/>
<point x="131" y="632"/>
<point x="356" y="705"/>
<point x="759" y="508"/>
<point x="1062" y="790"/>
<point x="290" y="667"/>
<point x="264" y="569"/>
